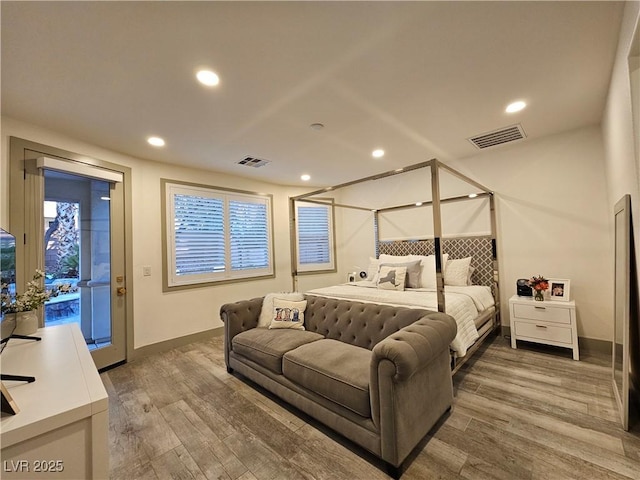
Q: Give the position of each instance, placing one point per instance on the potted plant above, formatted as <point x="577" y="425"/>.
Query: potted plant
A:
<point x="24" y="305"/>
<point x="539" y="284"/>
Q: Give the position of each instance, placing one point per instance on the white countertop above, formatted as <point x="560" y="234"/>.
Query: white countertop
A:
<point x="67" y="389"/>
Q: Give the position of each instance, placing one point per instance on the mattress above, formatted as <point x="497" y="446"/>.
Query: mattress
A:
<point x="464" y="304"/>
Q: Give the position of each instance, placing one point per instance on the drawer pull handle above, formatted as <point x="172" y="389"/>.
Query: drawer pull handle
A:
<point x="540" y="308"/>
<point x="541" y="326"/>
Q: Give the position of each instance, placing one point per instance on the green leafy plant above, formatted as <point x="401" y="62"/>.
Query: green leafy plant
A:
<point x="70" y="263"/>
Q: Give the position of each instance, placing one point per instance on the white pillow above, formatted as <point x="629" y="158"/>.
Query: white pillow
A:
<point x="457" y="272"/>
<point x="471" y="270"/>
<point x="266" y="314"/>
<point x="372" y="269"/>
<point x="288" y="314"/>
<point x="391" y="277"/>
<point x="428" y="274"/>
<point x="394" y="258"/>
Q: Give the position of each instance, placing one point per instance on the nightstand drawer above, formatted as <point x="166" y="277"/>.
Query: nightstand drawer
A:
<point x="543" y="332"/>
<point x="541" y="312"/>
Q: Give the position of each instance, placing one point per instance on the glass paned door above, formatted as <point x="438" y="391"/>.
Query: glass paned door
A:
<point x="79" y="261"/>
<point x="77" y="254"/>
<point x="68" y="210"/>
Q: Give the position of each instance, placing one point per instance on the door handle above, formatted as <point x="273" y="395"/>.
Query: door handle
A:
<point x="121" y="291"/>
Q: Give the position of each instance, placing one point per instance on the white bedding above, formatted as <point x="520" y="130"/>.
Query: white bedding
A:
<point x="462" y="303"/>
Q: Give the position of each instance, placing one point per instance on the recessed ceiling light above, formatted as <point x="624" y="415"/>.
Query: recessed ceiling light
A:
<point x="378" y="153"/>
<point x="473" y="195"/>
<point x="515" y="106"/>
<point x="156" y="141"/>
<point x="305" y="177"/>
<point x="208" y="78"/>
<point x="317" y="126"/>
<point x="418" y="204"/>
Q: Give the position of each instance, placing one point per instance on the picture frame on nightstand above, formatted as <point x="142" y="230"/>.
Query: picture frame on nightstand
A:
<point x="559" y="289"/>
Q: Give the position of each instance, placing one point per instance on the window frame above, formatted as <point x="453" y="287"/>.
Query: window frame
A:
<point x="171" y="281"/>
<point x="331" y="265"/>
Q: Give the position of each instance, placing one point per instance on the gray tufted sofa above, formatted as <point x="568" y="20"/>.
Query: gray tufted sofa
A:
<point x="378" y="375"/>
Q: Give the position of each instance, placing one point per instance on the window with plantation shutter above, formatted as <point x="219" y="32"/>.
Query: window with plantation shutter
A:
<point x="198" y="229"/>
<point x="215" y="235"/>
<point x="249" y="235"/>
<point x="315" y="237"/>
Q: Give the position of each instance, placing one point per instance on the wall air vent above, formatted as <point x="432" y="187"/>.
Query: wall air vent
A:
<point x="498" y="137"/>
<point x="253" y="162"/>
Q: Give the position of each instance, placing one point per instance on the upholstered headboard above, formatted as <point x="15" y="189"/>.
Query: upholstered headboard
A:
<point x="479" y="248"/>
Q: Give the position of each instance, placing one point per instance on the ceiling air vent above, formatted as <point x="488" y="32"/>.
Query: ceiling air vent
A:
<point x="253" y="162"/>
<point x="498" y="137"/>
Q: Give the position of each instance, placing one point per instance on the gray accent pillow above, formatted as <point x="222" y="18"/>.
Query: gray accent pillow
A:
<point x="414" y="270"/>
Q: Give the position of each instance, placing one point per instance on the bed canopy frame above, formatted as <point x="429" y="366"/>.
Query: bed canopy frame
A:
<point x="436" y="201"/>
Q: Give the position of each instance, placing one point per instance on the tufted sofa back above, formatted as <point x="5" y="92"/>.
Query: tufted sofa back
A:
<point x="357" y="323"/>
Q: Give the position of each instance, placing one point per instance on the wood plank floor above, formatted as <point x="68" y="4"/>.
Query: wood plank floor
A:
<point x="531" y="413"/>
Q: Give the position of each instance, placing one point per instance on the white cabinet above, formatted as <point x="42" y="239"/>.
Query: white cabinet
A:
<point x="62" y="428"/>
<point x="549" y="322"/>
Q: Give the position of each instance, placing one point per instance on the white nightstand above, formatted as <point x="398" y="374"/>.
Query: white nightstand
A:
<point x="550" y="322"/>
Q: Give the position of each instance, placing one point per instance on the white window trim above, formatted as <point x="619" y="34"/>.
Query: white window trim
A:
<point x="171" y="281"/>
<point x="329" y="266"/>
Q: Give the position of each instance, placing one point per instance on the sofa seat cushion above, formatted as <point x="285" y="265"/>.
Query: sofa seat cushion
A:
<point x="266" y="347"/>
<point x="333" y="369"/>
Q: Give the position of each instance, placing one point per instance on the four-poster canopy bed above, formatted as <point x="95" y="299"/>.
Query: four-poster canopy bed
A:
<point x="474" y="303"/>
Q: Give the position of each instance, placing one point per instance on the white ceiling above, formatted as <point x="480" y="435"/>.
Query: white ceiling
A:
<point x="414" y="78"/>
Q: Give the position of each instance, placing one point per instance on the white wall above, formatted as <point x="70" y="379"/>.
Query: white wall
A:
<point x="622" y="169"/>
<point x="162" y="316"/>
<point x="617" y="123"/>
<point x="553" y="219"/>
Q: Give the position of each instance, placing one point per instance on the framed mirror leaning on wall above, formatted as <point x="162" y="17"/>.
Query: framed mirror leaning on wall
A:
<point x="625" y="331"/>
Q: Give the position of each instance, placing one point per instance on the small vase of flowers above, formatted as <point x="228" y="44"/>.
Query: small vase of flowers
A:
<point x="539" y="285"/>
<point x="24" y="305"/>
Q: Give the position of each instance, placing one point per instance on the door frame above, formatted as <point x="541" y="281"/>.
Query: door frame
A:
<point x="28" y="253"/>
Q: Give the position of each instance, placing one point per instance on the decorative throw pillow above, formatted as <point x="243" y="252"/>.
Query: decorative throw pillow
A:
<point x="288" y="314"/>
<point x="457" y="272"/>
<point x="266" y="314"/>
<point x="414" y="270"/>
<point x="391" y="277"/>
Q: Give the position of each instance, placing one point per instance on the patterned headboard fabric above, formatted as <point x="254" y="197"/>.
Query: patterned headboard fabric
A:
<point x="479" y="248"/>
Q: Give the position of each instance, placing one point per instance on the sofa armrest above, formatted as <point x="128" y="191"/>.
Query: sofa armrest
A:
<point x="411" y="385"/>
<point x="239" y="317"/>
<point x="415" y="346"/>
